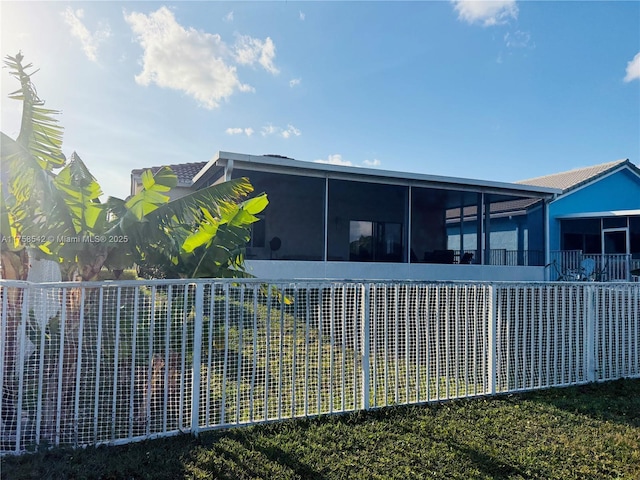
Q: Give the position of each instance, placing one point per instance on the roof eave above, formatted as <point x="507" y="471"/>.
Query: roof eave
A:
<point x="369" y="173"/>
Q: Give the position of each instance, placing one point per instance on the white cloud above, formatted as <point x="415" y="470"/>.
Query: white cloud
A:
<point x="486" y="12"/>
<point x="291" y="130"/>
<point x="633" y="69"/>
<point x="335" y="159"/>
<point x="228" y="17"/>
<point x="294" y="82"/>
<point x="90" y="41"/>
<point x="283" y="132"/>
<point x="249" y="50"/>
<point x="192" y="61"/>
<point x="518" y="39"/>
<point x="371" y="163"/>
<point x="269" y="130"/>
<point x="239" y="131"/>
<point x="302" y="16"/>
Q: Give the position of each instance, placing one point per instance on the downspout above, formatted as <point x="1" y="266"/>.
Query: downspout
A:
<point x="132" y="187"/>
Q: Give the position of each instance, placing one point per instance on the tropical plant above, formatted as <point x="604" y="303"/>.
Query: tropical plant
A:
<point x="52" y="205"/>
<point x="51" y="208"/>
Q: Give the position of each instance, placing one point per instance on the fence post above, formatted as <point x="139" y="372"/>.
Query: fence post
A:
<point x="492" y="340"/>
<point x="366" y="316"/>
<point x="590" y="336"/>
<point x="21" y="346"/>
<point x="4" y="325"/>
<point x="197" y="357"/>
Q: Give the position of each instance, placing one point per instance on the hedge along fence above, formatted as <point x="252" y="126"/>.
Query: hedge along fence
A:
<point x="114" y="362"/>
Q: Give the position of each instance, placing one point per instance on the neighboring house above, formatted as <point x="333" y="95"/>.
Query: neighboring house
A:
<point x="330" y="221"/>
<point x="184" y="171"/>
<point x="597" y="216"/>
<point x="518" y="232"/>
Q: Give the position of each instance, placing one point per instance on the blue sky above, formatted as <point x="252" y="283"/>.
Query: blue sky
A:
<point x="497" y="90"/>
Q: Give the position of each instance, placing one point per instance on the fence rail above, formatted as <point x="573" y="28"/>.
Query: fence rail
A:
<point x="115" y="362"/>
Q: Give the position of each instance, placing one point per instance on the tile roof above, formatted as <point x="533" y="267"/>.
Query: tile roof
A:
<point x="564" y="181"/>
<point x="574" y="178"/>
<point x="184" y="171"/>
<point x="507" y="207"/>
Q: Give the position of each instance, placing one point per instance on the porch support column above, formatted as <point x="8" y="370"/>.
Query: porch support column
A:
<point x="326" y="218"/>
<point x="486" y="208"/>
<point x="547" y="247"/>
<point x="461" y="215"/>
<point x="522" y="250"/>
<point x="409" y="219"/>
<point x="480" y="228"/>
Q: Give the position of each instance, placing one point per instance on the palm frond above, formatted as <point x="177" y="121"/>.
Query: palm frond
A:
<point x="152" y="195"/>
<point x="40" y="132"/>
<point x="189" y="207"/>
<point x="28" y="184"/>
<point x="237" y="216"/>
<point x="202" y="234"/>
<point x="80" y="192"/>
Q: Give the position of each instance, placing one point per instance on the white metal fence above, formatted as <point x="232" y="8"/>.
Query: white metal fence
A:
<point x="115" y="362"/>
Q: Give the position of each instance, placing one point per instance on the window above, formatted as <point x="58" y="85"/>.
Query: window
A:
<point x="581" y="234"/>
<point x="360" y="241"/>
<point x="614" y="222"/>
<point x="367" y="214"/>
<point x="634" y="236"/>
<point x="375" y="241"/>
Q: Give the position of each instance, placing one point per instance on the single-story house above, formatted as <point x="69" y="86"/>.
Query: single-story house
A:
<point x="333" y="221"/>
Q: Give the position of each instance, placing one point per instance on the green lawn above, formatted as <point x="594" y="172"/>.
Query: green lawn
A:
<point x="587" y="432"/>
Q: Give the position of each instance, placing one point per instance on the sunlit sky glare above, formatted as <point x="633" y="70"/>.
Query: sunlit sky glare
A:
<point x="497" y="90"/>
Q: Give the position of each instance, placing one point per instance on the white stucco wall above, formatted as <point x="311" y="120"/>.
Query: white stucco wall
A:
<point x="282" y="269"/>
